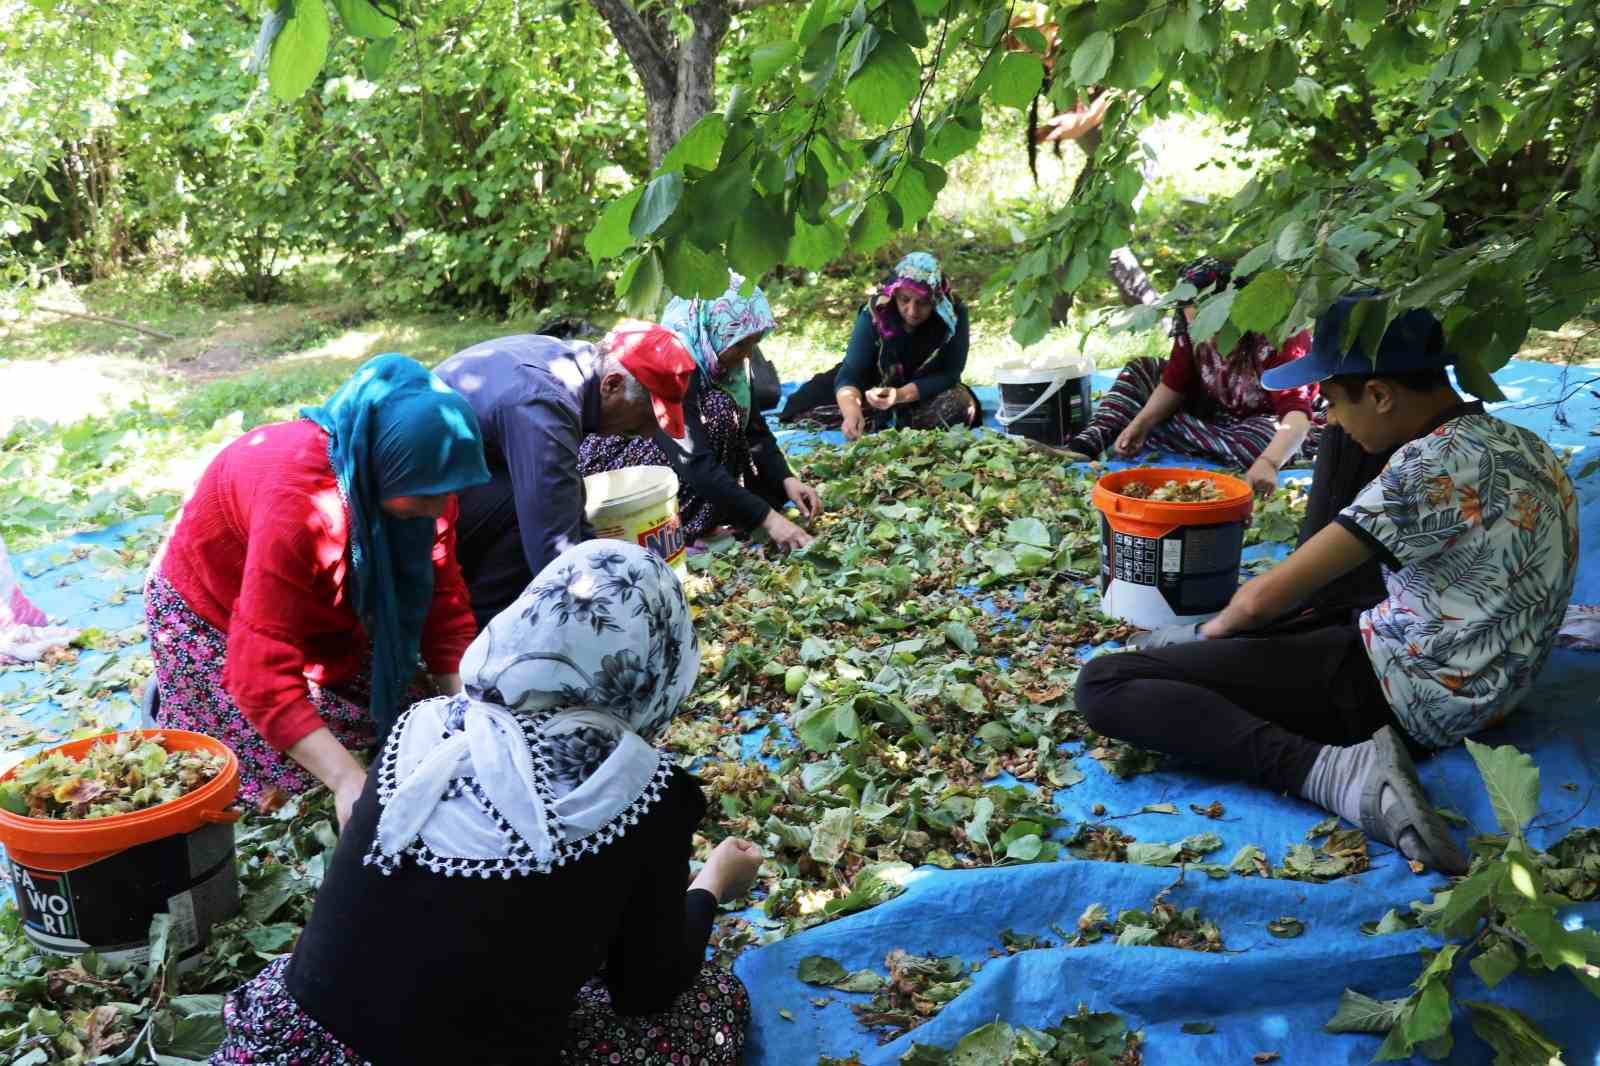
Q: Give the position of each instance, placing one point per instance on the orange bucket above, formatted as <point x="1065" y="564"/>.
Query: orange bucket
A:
<point x="95" y="884"/>
<point x="1166" y="562"/>
<point x="63" y="846"/>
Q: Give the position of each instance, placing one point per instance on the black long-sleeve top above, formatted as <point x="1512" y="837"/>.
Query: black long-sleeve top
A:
<point x="418" y="968"/>
<point x="745" y="506"/>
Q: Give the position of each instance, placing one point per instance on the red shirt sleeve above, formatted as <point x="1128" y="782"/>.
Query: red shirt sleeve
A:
<point x="450" y="626"/>
<point x="1302" y="399"/>
<point x="1180" y="374"/>
<point x="288" y="546"/>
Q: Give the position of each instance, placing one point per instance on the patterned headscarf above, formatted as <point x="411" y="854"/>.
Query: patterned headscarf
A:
<point x="394" y="429"/>
<point x="711" y="327"/>
<point x="547" y="754"/>
<point x="918" y="272"/>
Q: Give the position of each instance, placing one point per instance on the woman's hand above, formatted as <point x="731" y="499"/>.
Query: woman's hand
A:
<point x="803" y="496"/>
<point x="855" y="424"/>
<point x="345" y="796"/>
<point x="730" y="870"/>
<point x="1262" y="476"/>
<point x="883" y="398"/>
<point x="784" y="533"/>
<point x="1130" y="442"/>
<point x="327" y="760"/>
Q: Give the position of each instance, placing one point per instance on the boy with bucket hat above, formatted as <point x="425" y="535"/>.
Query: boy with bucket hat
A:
<point x="1475" y="524"/>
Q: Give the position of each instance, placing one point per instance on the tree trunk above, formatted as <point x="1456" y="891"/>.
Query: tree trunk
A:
<point x="1132" y="284"/>
<point x="678" y="77"/>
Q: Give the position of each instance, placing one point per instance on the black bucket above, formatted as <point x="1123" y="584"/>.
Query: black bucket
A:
<point x="107" y="905"/>
<point x="1049" y="405"/>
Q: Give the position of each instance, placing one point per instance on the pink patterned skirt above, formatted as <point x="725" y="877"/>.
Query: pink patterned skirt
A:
<point x="189" y="655"/>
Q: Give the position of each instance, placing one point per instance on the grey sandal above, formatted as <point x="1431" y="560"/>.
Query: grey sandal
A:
<point x="1393" y="768"/>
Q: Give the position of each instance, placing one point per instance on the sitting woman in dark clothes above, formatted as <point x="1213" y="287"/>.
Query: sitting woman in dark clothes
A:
<point x="510" y="888"/>
<point x="904" y="363"/>
<point x="733" y="472"/>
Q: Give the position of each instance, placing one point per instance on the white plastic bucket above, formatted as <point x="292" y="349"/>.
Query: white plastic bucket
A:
<point x="638" y="504"/>
<point x="1048" y="402"/>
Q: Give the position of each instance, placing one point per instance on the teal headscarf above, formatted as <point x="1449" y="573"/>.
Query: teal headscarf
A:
<point x="396" y="430"/>
<point x="711" y="327"/>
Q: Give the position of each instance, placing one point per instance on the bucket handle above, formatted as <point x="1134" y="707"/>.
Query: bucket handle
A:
<point x="231" y="814"/>
<point x="1055" y="387"/>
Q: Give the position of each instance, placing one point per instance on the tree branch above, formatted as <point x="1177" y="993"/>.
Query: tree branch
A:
<point x="146" y="330"/>
<point x="655" y="70"/>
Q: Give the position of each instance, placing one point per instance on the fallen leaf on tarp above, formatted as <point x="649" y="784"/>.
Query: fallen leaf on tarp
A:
<point x="820" y="970"/>
<point x="1081" y="1039"/>
<point x="1391" y="922"/>
<point x="1323" y="828"/>
<point x="1248" y="860"/>
<point x="1360" y="1013"/>
<point x="1013" y="942"/>
<point x="1286" y="928"/>
<point x="1416" y="866"/>
<point x="918" y="987"/>
<point x="1342" y="853"/>
<point x="1261" y="1058"/>
<point x="784" y="1013"/>
<point x="1165" y="926"/>
<point x="1212" y="810"/>
<point x="1199" y="1028"/>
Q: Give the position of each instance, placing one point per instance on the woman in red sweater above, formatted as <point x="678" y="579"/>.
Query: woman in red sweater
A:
<point x="312" y="565"/>
<point x="1201" y="402"/>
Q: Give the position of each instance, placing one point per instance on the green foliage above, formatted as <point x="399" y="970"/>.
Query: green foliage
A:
<point x="464" y="171"/>
<point x="1434" y="151"/>
<point x="1091" y="1038"/>
<point x="56" y="1012"/>
<point x="1501" y="918"/>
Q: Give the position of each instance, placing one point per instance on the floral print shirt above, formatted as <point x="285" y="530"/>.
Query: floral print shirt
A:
<point x="1477" y="527"/>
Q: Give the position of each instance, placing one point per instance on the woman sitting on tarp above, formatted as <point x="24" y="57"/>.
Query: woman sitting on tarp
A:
<point x="904" y="362"/>
<point x="312" y="565"/>
<point x="732" y="471"/>
<point x="1202" y="403"/>
<point x="511" y="887"/>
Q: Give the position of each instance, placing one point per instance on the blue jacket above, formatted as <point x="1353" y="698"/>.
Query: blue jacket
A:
<point x="535" y="398"/>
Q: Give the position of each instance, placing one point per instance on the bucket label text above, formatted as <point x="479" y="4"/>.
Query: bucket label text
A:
<point x="666" y="539"/>
<point x="47" y="901"/>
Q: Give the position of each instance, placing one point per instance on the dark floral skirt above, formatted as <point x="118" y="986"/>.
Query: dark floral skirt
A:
<point x="190" y="654"/>
<point x="704" y="1027"/>
<point x="266" y="1027"/>
<point x="725" y="430"/>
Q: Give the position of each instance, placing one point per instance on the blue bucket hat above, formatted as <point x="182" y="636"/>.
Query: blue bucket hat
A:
<point x="1413" y="341"/>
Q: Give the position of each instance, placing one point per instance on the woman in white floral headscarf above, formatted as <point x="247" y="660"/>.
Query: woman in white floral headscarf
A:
<point x="510" y="884"/>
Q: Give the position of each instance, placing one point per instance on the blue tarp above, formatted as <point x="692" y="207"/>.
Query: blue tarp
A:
<point x="1263" y="993"/>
